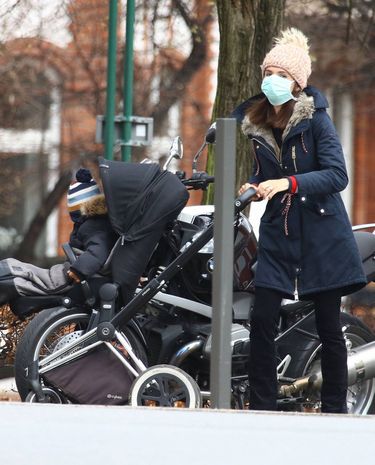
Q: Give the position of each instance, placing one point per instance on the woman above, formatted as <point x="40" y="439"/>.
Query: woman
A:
<point x="306" y="246"/>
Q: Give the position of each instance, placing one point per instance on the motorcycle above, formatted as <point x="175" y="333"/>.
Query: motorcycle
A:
<point x="167" y="326"/>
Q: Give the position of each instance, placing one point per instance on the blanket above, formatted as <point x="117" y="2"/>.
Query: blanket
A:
<point x="31" y="280"/>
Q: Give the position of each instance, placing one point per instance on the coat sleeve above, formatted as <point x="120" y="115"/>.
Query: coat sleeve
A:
<point x="97" y="244"/>
<point x="331" y="175"/>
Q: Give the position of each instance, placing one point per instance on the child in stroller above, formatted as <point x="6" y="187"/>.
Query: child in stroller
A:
<point x="140" y="206"/>
<point x="92" y="236"/>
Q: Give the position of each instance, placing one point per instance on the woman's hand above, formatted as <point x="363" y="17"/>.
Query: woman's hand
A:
<point x="247" y="186"/>
<point x="268" y="189"/>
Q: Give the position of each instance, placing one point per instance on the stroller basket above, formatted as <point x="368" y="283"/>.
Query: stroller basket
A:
<point x="98" y="377"/>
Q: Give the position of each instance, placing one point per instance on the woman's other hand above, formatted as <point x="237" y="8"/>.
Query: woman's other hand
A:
<point x="268" y="189"/>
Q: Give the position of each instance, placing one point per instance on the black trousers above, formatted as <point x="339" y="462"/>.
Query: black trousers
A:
<point x="263" y="362"/>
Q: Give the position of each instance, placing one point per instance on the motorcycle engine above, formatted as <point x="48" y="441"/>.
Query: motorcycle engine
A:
<point x="239" y="343"/>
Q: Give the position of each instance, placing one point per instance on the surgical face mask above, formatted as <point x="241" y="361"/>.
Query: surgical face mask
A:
<point x="277" y="89"/>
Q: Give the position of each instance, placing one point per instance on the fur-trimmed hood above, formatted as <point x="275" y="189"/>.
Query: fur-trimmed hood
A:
<point x="94" y="207"/>
<point x="303" y="109"/>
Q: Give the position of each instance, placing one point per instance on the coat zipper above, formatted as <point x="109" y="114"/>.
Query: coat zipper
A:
<point x="294" y="158"/>
<point x="273" y="153"/>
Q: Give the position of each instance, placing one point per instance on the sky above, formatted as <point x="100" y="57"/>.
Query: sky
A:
<point x="47" y="18"/>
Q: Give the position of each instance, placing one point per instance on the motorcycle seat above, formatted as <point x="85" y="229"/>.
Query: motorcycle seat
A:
<point x="366" y="244"/>
<point x="291" y="309"/>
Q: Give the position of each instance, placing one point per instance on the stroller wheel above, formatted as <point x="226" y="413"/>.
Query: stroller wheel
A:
<point x="51" y="397"/>
<point x="165" y="386"/>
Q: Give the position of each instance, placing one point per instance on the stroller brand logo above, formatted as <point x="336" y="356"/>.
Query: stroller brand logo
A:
<point x="114" y="396"/>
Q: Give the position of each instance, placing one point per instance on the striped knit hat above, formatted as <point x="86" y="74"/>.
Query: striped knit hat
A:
<point x="82" y="191"/>
<point x="291" y="53"/>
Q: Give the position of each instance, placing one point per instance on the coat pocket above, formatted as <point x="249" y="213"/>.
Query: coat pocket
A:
<point x="321" y="208"/>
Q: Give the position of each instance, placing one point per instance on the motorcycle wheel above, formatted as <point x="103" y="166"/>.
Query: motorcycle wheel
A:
<point x="360" y="396"/>
<point x="165" y="386"/>
<point x="49" y="331"/>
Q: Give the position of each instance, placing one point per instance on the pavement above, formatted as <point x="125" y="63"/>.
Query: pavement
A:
<point x="39" y="434"/>
<point x="8" y="390"/>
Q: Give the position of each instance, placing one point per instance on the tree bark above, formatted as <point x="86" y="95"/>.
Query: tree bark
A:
<point x="246" y="31"/>
<point x="171" y="88"/>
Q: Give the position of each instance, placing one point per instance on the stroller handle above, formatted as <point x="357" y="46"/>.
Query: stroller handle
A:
<point x="244" y="199"/>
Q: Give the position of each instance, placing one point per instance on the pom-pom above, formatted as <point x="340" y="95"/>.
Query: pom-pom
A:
<point x="83" y="175"/>
<point x="293" y="36"/>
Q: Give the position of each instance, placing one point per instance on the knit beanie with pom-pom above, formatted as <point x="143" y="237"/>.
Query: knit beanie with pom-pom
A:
<point x="81" y="192"/>
<point x="291" y="53"/>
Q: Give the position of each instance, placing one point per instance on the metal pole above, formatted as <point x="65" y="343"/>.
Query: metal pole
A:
<point x="109" y="128"/>
<point x="222" y="290"/>
<point x="128" y="78"/>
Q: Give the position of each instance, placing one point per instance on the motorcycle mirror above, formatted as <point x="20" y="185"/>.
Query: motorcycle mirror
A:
<point x="176" y="151"/>
<point x="211" y="134"/>
<point x="208" y="139"/>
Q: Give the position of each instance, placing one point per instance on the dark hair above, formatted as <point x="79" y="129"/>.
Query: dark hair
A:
<point x="262" y="113"/>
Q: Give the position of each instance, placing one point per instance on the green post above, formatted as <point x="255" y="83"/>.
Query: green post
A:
<point x="128" y="78"/>
<point x="109" y="128"/>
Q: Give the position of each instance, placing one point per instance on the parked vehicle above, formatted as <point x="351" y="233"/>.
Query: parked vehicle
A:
<point x="167" y="328"/>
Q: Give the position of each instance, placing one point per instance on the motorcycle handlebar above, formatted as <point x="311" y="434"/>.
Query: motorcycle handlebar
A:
<point x="203" y="176"/>
<point x="199" y="180"/>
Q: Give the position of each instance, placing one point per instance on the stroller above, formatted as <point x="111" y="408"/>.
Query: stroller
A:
<point x="106" y="362"/>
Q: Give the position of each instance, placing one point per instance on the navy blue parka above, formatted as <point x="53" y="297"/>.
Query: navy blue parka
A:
<point x="306" y="244"/>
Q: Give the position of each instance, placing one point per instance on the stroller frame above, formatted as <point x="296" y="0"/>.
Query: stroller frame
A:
<point x="106" y="332"/>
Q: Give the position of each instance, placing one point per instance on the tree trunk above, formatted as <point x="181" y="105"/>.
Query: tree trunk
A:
<point x="177" y="81"/>
<point x="246" y="31"/>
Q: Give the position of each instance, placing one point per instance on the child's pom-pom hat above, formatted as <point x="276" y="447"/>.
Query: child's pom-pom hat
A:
<point x="82" y="191"/>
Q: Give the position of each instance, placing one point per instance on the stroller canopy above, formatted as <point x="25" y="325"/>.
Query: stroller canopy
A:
<point x="140" y="197"/>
